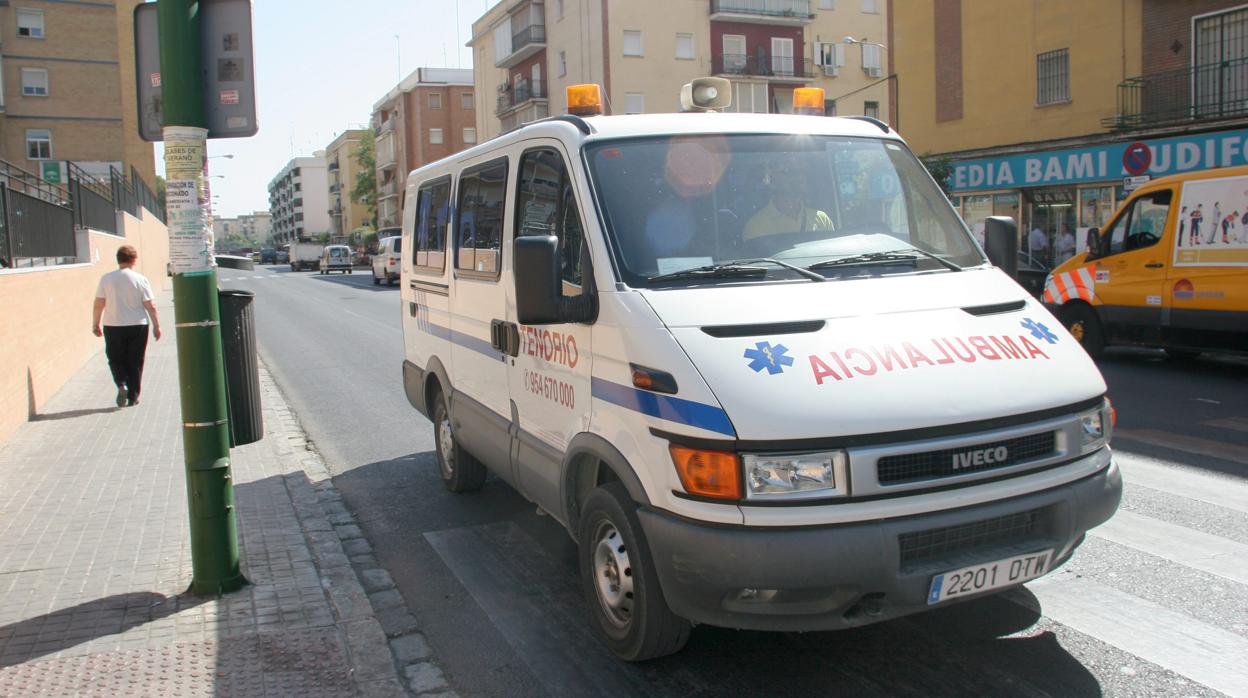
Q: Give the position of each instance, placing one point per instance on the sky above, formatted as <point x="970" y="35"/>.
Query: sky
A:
<point x="320" y="67"/>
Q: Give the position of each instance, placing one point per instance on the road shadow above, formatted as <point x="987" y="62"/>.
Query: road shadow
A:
<point x="486" y="571"/>
<point x="360" y="281"/>
<point x="72" y="414"/>
<point x="60" y="630"/>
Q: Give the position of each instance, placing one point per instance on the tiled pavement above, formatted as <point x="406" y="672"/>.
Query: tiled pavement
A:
<point x="95" y="562"/>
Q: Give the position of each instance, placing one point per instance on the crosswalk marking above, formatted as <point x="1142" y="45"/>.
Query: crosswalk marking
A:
<point x="1190" y="444"/>
<point x="1195" y="549"/>
<point x="1236" y="423"/>
<point x="1154" y="633"/>
<point x="1225" y="492"/>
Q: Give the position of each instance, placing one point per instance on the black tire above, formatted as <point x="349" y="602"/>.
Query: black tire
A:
<point x="292" y="268"/>
<point x="1085" y="327"/>
<point x="635" y="624"/>
<point x="460" y="470"/>
<point x="376" y="281"/>
<point x="391" y="279"/>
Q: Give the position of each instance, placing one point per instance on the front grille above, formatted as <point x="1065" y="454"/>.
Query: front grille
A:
<point x="929" y="465"/>
<point x="951" y="540"/>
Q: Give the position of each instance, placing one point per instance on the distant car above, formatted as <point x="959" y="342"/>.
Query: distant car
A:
<point x="387" y="261"/>
<point x="268" y="255"/>
<point x="282" y="257"/>
<point x="336" y="258"/>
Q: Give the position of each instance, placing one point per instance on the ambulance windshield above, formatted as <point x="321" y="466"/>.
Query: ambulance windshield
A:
<point x="692" y="202"/>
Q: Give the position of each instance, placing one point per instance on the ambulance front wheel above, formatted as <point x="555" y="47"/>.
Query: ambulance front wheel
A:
<point x="460" y="471"/>
<point x="1085" y="327"/>
<point x="619" y="580"/>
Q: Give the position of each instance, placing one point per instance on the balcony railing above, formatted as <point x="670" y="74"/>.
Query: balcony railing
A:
<point x="797" y="9"/>
<point x="333" y="164"/>
<point x="386" y="189"/>
<point x="521" y="92"/>
<point x="763" y="65"/>
<point x="1203" y="92"/>
<point x="532" y="34"/>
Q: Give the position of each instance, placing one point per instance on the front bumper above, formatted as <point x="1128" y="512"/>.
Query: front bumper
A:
<point x="833" y="577"/>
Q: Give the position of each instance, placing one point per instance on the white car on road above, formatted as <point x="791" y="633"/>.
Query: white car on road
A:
<point x="388" y="259"/>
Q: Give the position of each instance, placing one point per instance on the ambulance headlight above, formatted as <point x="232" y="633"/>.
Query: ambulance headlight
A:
<point x="1094" y="428"/>
<point x="796" y="475"/>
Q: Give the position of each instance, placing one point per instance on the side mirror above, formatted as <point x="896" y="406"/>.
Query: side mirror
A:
<point x="537" y="279"/>
<point x="1094" y="242"/>
<point x="1001" y="244"/>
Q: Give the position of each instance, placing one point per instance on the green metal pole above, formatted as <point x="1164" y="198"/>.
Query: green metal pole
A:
<point x="205" y="426"/>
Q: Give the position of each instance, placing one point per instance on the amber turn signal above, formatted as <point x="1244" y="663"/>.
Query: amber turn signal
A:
<point x="714" y="474"/>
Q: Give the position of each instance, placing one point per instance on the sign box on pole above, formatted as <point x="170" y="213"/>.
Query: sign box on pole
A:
<point x="228" y="62"/>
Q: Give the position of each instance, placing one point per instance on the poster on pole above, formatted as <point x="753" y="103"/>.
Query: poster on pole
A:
<point x="190" y="246"/>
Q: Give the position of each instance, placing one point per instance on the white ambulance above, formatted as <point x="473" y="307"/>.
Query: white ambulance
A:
<point x="755" y="364"/>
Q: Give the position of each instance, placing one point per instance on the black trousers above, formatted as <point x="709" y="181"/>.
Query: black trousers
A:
<point x="125" y="345"/>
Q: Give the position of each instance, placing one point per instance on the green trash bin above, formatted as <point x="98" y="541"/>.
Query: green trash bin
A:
<point x="242" y="370"/>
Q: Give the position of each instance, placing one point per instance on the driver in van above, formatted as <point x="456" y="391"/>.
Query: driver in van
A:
<point x="786" y="212"/>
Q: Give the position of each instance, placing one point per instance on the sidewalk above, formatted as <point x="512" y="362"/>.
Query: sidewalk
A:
<point x="95" y="561"/>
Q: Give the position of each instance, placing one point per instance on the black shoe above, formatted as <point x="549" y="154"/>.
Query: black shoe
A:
<point x="121" y="396"/>
<point x="132" y="402"/>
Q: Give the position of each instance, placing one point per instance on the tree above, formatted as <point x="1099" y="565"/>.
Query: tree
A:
<point x="941" y="168"/>
<point x="365" y="190"/>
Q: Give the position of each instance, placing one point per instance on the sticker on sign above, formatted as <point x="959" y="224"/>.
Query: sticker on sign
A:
<point x="1135" y="182"/>
<point x="229" y="96"/>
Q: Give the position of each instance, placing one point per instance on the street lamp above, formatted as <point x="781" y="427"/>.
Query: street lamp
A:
<point x="227" y="156"/>
<point x="895" y="111"/>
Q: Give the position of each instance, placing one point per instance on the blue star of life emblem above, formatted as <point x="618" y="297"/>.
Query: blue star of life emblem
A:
<point x="772" y="358"/>
<point x="1038" y="330"/>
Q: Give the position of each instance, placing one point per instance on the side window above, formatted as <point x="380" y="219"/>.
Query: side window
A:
<point x="546" y="205"/>
<point x="479" y="219"/>
<point x="1140" y="226"/>
<point x="433" y="213"/>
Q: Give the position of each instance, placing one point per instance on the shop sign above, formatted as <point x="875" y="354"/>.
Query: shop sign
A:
<point x="1102" y="162"/>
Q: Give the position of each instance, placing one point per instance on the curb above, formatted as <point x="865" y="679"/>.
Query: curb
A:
<point x="388" y="653"/>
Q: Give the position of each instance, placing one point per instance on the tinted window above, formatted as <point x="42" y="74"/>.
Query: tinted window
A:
<point x="398" y="245"/>
<point x="546" y="205"/>
<point x="479" y="218"/>
<point x="1141" y="225"/>
<point x="433" y="213"/>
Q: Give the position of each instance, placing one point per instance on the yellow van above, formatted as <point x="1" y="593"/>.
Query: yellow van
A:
<point x="1170" y="269"/>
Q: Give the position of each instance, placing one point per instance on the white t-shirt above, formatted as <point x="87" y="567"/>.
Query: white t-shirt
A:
<point x="124" y="292"/>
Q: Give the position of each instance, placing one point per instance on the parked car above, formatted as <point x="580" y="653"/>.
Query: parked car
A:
<point x="336" y="258"/>
<point x="387" y="261"/>
<point x="283" y="257"/>
<point x="268" y="255"/>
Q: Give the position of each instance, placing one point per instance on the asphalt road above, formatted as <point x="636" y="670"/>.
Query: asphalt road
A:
<point x="1152" y="604"/>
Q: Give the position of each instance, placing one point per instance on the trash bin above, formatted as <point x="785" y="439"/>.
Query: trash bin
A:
<point x="242" y="373"/>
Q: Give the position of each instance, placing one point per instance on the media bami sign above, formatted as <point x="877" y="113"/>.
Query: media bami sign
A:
<point x="1163" y="156"/>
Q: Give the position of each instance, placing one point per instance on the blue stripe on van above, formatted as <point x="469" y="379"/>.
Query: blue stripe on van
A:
<point x="673" y="409"/>
<point x="464" y="340"/>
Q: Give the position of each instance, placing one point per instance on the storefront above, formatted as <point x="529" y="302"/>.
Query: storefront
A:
<point x="1056" y="195"/>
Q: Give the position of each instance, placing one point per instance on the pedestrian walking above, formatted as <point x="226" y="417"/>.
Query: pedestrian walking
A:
<point x="124" y="302"/>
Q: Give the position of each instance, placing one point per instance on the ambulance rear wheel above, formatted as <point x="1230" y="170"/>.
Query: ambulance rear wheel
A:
<point x="619" y="581"/>
<point x="460" y="471"/>
<point x="1085" y="327"/>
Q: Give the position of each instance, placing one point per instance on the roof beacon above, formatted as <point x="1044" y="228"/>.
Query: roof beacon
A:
<point x="808" y="101"/>
<point x="706" y="94"/>
<point x="585" y="100"/>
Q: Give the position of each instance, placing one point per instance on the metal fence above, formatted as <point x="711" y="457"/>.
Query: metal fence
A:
<point x="762" y="64"/>
<point x="38" y="218"/>
<point x="1213" y="91"/>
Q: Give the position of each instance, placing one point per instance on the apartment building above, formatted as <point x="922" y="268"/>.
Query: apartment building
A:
<point x="67" y="88"/>
<point x="429" y="115"/>
<point x="299" y="200"/>
<point x="1039" y="110"/>
<point x="255" y="226"/>
<point x="345" y="215"/>
<point x="526" y="52"/>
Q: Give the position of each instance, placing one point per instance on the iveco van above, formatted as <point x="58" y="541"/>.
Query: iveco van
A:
<point x="1170" y="269"/>
<point x="755" y="364"/>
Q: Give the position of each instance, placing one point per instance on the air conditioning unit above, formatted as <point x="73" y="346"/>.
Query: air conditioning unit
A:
<point x="830" y="71"/>
<point x="875" y="72"/>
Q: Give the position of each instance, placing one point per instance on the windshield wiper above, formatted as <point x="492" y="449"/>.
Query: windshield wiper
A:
<point x="884" y="258"/>
<point x="737" y="267"/>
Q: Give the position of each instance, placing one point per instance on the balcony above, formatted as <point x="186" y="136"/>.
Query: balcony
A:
<point x="524" y="43"/>
<point x="385" y="151"/>
<point x="523" y="91"/>
<point x="791" y="13"/>
<point x="333" y="164"/>
<point x="1199" y="93"/>
<point x="763" y="65"/>
<point x="386" y="190"/>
